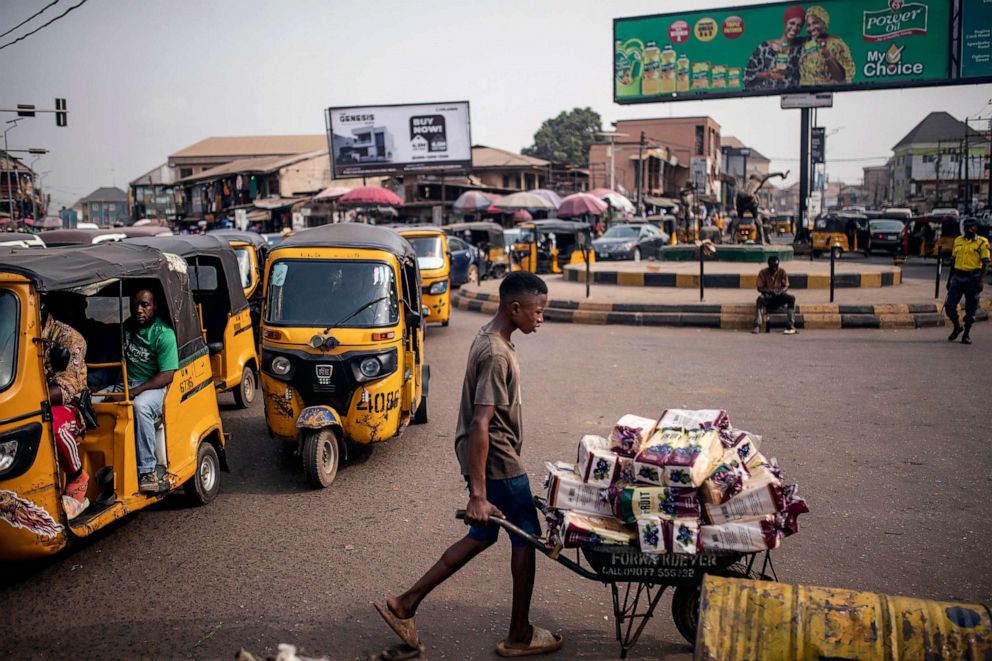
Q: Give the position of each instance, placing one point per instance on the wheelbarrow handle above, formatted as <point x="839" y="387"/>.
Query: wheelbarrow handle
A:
<point x="510" y="528"/>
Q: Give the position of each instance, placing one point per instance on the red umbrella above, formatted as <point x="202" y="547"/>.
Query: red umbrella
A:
<point x="580" y="204"/>
<point x="371" y="195"/>
<point x="521" y="215"/>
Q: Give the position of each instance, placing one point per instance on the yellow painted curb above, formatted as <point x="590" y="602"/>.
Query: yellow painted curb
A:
<point x="897" y="277"/>
<point x="736" y="308"/>
<point x="890" y="309"/>
<point x="736" y="321"/>
<point x="819" y="308"/>
<point x="822" y="322"/>
<point x="686" y="280"/>
<point x="871" y="280"/>
<point x="630" y="279"/>
<point x="816" y="281"/>
<point x="588" y="317"/>
<point x="592" y="305"/>
<point x="749" y="281"/>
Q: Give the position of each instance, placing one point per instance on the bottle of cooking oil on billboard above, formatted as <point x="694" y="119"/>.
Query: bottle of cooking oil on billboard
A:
<point x="682" y="74"/>
<point x="718" y="76"/>
<point x="628" y="67"/>
<point x="700" y="75"/>
<point x="668" y="57"/>
<point x="651" y="83"/>
<point x="733" y="77"/>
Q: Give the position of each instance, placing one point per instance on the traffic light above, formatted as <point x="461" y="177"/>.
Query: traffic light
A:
<point x="61" y="113"/>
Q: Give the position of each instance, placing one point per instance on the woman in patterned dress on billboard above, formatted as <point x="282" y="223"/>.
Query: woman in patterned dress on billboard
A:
<point x="774" y="64"/>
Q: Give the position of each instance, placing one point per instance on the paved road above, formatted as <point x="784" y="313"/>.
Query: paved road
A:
<point x="873" y="426"/>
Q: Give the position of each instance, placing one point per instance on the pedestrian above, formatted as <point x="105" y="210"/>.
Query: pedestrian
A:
<point x="487" y="444"/>
<point x="971" y="262"/>
<point x="773" y="287"/>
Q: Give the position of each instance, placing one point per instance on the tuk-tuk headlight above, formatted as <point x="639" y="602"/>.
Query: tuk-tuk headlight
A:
<point x="7" y="452"/>
<point x="370" y="367"/>
<point x="281" y="366"/>
<point x="439" y="287"/>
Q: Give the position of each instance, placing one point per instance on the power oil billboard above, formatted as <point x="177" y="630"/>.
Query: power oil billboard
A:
<point x="423" y="137"/>
<point x="781" y="48"/>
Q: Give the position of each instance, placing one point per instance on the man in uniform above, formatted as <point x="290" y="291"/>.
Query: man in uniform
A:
<point x="971" y="263"/>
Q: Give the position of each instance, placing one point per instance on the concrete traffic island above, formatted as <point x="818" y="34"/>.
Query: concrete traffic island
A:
<point x="803" y="274"/>
<point x="907" y="306"/>
<point x="754" y="254"/>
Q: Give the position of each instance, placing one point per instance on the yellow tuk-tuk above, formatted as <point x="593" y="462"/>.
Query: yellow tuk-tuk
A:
<point x="190" y="447"/>
<point x="226" y="321"/>
<point x="950" y="229"/>
<point x="342" y="342"/>
<point x="251" y="249"/>
<point x="840" y="233"/>
<point x="747" y="230"/>
<point x="434" y="260"/>
<point x="546" y="246"/>
<point x="488" y="238"/>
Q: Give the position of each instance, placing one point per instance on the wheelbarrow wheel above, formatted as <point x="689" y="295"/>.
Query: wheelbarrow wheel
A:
<point x="320" y="457"/>
<point x="685" y="602"/>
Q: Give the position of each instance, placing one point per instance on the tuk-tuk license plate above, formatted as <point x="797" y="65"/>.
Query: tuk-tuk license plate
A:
<point x="324" y="374"/>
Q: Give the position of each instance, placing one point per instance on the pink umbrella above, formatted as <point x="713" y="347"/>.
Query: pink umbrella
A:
<point x="371" y="195"/>
<point x="600" y="192"/>
<point x="521" y="215"/>
<point x="331" y="193"/>
<point x="580" y="204"/>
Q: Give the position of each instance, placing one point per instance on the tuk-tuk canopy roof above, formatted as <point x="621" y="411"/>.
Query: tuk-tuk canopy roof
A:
<point x="210" y="247"/>
<point x="352" y="235"/>
<point x="55" y="269"/>
<point x="75" y="267"/>
<point x="481" y="226"/>
<point x="76" y="236"/>
<point x="253" y="238"/>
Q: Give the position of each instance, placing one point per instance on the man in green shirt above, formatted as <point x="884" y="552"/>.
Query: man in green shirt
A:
<point x="152" y="358"/>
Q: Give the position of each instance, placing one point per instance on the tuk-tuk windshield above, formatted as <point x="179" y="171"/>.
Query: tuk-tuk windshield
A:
<point x="244" y="266"/>
<point x="322" y="293"/>
<point x="430" y="251"/>
<point x="8" y="338"/>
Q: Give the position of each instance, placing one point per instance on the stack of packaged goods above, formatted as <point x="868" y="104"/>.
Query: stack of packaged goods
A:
<point x="687" y="482"/>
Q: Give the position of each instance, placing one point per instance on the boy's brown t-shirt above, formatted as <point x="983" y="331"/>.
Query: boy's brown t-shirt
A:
<point x="492" y="377"/>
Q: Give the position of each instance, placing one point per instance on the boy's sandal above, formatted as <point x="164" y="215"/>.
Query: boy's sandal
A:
<point x="542" y="641"/>
<point x="406" y="629"/>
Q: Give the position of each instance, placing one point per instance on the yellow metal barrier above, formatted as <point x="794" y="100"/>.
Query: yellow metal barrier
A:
<point x="743" y="619"/>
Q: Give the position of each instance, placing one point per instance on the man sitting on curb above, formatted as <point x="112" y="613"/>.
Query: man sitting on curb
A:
<point x="773" y="285"/>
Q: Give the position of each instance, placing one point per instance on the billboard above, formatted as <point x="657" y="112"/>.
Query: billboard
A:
<point x="798" y="47"/>
<point x="375" y="140"/>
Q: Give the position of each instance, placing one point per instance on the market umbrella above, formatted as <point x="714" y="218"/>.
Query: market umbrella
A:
<point x="601" y="192"/>
<point x="371" y="195"/>
<point x="580" y="204"/>
<point x="331" y="193"/>
<point x="471" y="201"/>
<point x="548" y="195"/>
<point x="524" y="201"/>
<point x="618" y="201"/>
<point x="28" y="221"/>
<point x="51" y="222"/>
<point x="521" y="216"/>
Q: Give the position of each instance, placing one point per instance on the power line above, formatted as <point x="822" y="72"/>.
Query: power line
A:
<point x="30" y="18"/>
<point x="43" y="25"/>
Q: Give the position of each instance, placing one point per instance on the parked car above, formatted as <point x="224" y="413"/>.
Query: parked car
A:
<point x="465" y="260"/>
<point x="21" y="240"/>
<point x="885" y="235"/>
<point x="629" y="242"/>
<point x="897" y="212"/>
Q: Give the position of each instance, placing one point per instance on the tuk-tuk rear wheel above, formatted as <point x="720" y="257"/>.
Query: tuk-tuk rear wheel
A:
<point x="244" y="394"/>
<point x="205" y="483"/>
<point x="320" y="457"/>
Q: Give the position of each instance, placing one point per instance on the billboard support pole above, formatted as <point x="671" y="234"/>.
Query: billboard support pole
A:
<point x="640" y="172"/>
<point x="804" y="176"/>
<point x="967" y="178"/>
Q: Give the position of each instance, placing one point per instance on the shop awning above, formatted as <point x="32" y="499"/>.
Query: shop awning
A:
<point x="661" y="201"/>
<point x="276" y="202"/>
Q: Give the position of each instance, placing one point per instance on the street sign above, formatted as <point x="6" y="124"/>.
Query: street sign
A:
<point x="818" y="145"/>
<point x="61" y="112"/>
<point x="795" y="101"/>
<point x="25" y="110"/>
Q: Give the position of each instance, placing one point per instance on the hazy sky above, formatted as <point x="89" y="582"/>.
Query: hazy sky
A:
<point x="145" y="79"/>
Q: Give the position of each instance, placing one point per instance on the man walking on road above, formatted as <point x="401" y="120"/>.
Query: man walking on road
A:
<point x="773" y="285"/>
<point x="487" y="443"/>
<point x="971" y="262"/>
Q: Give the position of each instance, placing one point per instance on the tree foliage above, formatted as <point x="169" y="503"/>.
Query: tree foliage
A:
<point x="566" y="138"/>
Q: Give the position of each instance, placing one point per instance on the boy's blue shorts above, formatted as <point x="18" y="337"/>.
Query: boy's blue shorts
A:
<point x="513" y="498"/>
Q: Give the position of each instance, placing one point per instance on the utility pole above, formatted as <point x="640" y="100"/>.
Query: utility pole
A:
<point x="967" y="178"/>
<point x="940" y="152"/>
<point x="640" y="174"/>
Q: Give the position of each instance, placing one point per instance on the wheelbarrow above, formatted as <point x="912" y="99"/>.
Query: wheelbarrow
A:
<point x="638" y="580"/>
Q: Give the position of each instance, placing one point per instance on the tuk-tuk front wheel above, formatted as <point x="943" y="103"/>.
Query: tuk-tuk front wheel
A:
<point x="205" y="483"/>
<point x="320" y="456"/>
<point x="244" y="394"/>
